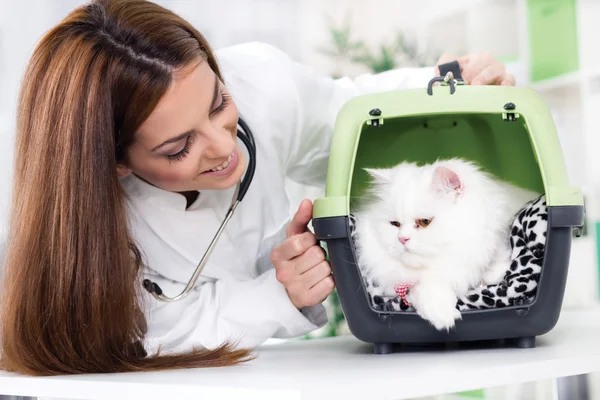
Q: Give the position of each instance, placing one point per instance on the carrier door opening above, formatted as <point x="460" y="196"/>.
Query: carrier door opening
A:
<point x="502" y="147"/>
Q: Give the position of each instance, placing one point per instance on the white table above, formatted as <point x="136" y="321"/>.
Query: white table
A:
<point x="345" y="368"/>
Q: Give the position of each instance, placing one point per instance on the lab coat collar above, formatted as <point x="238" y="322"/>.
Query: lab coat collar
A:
<point x="141" y="190"/>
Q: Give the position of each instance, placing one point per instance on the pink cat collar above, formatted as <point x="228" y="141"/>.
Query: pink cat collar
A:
<point x="402" y="290"/>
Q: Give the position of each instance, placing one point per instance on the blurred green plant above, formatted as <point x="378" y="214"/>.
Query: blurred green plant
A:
<point x="400" y="52"/>
<point x="382" y="61"/>
<point x="344" y="48"/>
<point x="336" y="325"/>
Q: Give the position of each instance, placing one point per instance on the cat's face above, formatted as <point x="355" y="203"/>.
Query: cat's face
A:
<point x="416" y="211"/>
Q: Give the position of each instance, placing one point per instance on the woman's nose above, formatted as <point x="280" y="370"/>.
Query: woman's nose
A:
<point x="219" y="143"/>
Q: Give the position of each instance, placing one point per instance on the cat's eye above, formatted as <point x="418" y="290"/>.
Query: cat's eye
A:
<point x="395" y="223"/>
<point x="424" y="222"/>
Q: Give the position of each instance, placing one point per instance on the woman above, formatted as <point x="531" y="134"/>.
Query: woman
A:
<point x="126" y="161"/>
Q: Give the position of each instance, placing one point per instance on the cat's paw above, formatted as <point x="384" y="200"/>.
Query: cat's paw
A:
<point x="441" y="317"/>
<point x="436" y="305"/>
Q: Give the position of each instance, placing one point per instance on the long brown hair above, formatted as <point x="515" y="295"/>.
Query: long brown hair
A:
<point x="71" y="301"/>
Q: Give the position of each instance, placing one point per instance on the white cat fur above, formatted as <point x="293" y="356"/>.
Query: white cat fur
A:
<point x="467" y="241"/>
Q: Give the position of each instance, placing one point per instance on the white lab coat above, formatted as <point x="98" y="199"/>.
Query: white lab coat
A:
<point x="291" y="112"/>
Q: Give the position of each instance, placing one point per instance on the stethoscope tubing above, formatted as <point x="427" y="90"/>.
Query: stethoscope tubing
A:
<point x="245" y="135"/>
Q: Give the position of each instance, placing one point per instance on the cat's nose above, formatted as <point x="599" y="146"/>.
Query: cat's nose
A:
<point x="403" y="240"/>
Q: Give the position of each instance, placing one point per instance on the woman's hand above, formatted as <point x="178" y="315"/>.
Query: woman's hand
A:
<point x="300" y="263"/>
<point x="479" y="69"/>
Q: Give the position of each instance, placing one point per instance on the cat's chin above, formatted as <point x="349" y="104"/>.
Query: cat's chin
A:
<point x="412" y="260"/>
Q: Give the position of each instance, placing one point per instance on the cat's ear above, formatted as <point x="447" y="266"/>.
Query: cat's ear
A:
<point x="380" y="175"/>
<point x="447" y="181"/>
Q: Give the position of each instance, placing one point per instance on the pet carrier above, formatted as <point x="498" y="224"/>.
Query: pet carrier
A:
<point x="509" y="132"/>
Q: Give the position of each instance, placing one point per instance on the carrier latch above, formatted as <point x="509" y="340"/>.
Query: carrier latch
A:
<point x="510" y="115"/>
<point x="375" y="122"/>
<point x="448" y="79"/>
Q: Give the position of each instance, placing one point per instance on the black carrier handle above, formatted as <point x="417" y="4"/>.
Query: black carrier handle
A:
<point x="449" y="75"/>
<point x="443" y="80"/>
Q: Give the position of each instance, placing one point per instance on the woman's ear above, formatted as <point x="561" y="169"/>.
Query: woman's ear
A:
<point x="122" y="171"/>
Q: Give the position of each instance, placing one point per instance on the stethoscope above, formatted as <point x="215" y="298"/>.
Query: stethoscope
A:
<point x="245" y="135"/>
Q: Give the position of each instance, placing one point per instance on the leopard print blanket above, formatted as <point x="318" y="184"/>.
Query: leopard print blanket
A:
<point x="519" y="286"/>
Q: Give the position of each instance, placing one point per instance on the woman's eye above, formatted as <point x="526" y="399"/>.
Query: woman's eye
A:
<point x="424" y="222"/>
<point x="395" y="223"/>
<point x="225" y="98"/>
<point x="180" y="155"/>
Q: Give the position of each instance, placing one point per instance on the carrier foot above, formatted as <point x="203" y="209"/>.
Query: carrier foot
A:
<point x="526" y="342"/>
<point x="382" y="348"/>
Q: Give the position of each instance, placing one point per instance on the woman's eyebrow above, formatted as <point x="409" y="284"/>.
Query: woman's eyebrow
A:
<point x="184" y="134"/>
<point x="172" y="140"/>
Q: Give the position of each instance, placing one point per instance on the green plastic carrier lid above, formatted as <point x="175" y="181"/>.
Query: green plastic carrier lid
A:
<point x="508" y="130"/>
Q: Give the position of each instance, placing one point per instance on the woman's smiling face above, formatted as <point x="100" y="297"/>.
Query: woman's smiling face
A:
<point x="189" y="140"/>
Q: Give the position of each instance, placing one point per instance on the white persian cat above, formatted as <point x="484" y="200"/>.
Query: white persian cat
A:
<point x="442" y="226"/>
